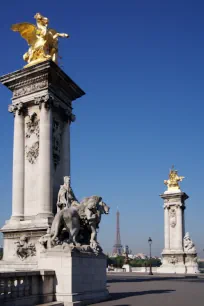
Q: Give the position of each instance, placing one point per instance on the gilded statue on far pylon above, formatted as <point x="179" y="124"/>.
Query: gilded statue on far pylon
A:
<point x="173" y="181"/>
<point x="42" y="41"/>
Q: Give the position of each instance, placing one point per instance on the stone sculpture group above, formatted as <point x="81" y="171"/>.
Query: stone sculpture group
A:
<point x="75" y="225"/>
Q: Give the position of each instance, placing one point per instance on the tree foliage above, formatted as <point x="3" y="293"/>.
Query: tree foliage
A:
<point x="118" y="262"/>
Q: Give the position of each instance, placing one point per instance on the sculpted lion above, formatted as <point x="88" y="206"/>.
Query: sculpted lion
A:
<point x="84" y="217"/>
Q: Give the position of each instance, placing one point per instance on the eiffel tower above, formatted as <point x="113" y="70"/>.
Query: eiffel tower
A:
<point x="117" y="248"/>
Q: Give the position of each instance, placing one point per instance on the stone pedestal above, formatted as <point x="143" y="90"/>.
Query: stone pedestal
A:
<point x="80" y="278"/>
<point x="127" y="268"/>
<point x="174" y="257"/>
<point x="42" y="108"/>
<point x="191" y="263"/>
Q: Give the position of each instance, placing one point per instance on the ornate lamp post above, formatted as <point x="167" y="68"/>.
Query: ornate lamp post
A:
<point x="150" y="256"/>
<point x="126" y="255"/>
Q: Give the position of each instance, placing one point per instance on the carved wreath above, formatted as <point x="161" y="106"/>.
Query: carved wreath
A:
<point x="32" y="126"/>
<point x="173" y="220"/>
<point x="57" y="132"/>
<point x="32" y="152"/>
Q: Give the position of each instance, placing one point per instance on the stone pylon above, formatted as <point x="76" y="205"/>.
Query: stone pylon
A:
<point x="42" y="108"/>
<point x="179" y="254"/>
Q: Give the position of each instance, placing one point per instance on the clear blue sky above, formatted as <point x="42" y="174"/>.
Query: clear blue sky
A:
<point x="141" y="64"/>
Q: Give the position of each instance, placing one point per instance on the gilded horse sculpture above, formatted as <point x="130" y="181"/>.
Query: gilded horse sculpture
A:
<point x="42" y="41"/>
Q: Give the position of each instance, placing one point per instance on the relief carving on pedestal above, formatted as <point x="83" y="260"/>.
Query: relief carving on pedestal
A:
<point x="173" y="260"/>
<point x="24" y="248"/>
<point x="172" y="215"/>
<point x="57" y="132"/>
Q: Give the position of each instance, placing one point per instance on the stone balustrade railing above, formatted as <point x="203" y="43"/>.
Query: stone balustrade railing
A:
<point x="26" y="288"/>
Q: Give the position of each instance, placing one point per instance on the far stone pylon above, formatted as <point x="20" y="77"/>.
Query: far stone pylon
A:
<point x="179" y="254"/>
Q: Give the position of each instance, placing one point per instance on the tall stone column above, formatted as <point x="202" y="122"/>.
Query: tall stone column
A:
<point x="65" y="170"/>
<point x="18" y="163"/>
<point x="179" y="228"/>
<point x="166" y="228"/>
<point x="45" y="195"/>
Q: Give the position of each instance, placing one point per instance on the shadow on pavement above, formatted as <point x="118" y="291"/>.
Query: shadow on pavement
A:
<point x="122" y="295"/>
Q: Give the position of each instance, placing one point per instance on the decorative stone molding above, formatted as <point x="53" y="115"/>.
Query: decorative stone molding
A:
<point x="32" y="152"/>
<point x="24" y="248"/>
<point x="172" y="215"/>
<point x="33" y="126"/>
<point x="29" y="88"/>
<point x="57" y="132"/>
<point x="13" y="108"/>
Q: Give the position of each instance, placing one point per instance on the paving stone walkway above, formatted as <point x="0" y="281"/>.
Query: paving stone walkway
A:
<point x="132" y="289"/>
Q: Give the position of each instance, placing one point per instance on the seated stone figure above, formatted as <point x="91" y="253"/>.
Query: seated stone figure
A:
<point x="66" y="195"/>
<point x="189" y="246"/>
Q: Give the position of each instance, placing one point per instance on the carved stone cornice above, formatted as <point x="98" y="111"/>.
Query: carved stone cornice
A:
<point x="19" y="108"/>
<point x="45" y="75"/>
<point x="168" y="205"/>
<point x="175" y="197"/>
<point x="30" y="86"/>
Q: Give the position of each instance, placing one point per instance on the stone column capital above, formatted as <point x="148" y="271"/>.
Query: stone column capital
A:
<point x="166" y="206"/>
<point x="46" y="100"/>
<point x="70" y="117"/>
<point x="19" y="108"/>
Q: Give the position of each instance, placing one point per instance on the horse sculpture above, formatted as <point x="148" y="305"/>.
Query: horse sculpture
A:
<point x="84" y="217"/>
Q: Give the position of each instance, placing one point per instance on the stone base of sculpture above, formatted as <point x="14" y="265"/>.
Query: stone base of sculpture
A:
<point x="178" y="263"/>
<point x="191" y="264"/>
<point x="21" y="244"/>
<point x="80" y="276"/>
<point x="127" y="268"/>
<point x="172" y="262"/>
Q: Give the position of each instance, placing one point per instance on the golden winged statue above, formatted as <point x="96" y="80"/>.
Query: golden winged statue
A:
<point x="173" y="181"/>
<point x="42" y="41"/>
